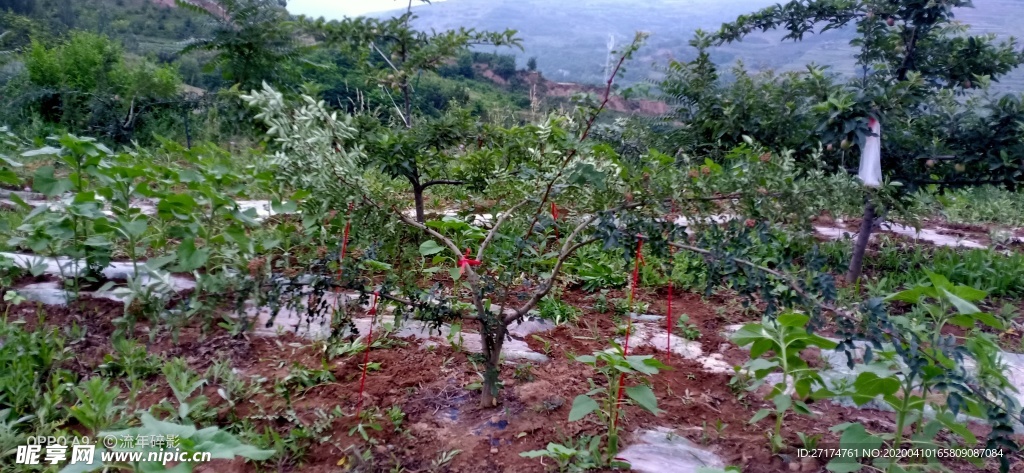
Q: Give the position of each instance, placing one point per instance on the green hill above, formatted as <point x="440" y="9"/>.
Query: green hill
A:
<point x="570" y="39"/>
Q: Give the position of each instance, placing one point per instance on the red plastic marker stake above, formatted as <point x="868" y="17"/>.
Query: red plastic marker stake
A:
<point x="341" y="257"/>
<point x="366" y="352"/>
<point x="671" y="266"/>
<point x="467" y="261"/>
<point x="629" y="324"/>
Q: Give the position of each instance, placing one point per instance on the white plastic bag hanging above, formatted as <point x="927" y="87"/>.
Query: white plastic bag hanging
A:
<point x="871" y="157"/>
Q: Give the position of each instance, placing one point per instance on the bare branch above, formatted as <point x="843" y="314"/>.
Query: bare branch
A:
<point x="567" y="250"/>
<point x="447" y="241"/>
<point x="793" y="283"/>
<point x="440" y="182"/>
<point x="497" y="224"/>
<point x="543" y="291"/>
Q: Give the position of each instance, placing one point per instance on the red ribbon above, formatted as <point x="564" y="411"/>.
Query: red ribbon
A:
<point x="467" y="261"/>
<point x="366" y="352"/>
<point x="554" y="216"/>
<point x="344" y="241"/>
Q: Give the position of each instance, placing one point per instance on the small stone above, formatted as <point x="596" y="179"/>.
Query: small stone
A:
<point x="722" y="347"/>
<point x="494" y="449"/>
<point x="809" y="464"/>
<point x="794" y="467"/>
<point x="381" y="449"/>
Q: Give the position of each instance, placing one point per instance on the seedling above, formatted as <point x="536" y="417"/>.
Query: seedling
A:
<point x="604" y="402"/>
<point x="783" y="338"/>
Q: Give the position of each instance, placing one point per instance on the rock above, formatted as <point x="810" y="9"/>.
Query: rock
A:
<point x="530" y="326"/>
<point x="646" y="317"/>
<point x="662" y="451"/>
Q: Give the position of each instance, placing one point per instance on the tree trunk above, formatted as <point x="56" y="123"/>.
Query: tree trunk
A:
<point x="492" y="331"/>
<point x="417" y="195"/>
<point x="857" y="260"/>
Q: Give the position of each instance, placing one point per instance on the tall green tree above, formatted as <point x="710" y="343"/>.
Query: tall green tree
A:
<point x="911" y="53"/>
<point x="254" y="40"/>
<point x="394" y="54"/>
<point x="86" y="85"/>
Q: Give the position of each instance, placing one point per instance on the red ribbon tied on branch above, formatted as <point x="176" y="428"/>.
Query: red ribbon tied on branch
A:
<point x="467" y="261"/>
<point x="554" y="216"/>
<point x="373" y="305"/>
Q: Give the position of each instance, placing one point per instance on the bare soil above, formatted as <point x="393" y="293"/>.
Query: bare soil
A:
<point x="442" y="415"/>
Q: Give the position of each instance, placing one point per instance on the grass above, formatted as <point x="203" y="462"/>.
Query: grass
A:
<point x="977" y="205"/>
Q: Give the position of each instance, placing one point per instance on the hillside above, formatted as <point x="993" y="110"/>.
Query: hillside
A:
<point x="570" y="39"/>
<point x="143" y="26"/>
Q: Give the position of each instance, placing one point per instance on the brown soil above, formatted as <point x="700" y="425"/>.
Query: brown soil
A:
<point x="441" y="415"/>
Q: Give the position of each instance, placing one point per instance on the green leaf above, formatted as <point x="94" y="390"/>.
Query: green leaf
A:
<point x="9" y="177"/>
<point x="761" y="364"/>
<point x="581" y="406"/>
<point x="989" y="319"/>
<point x="189" y="257"/>
<point x="19" y="201"/>
<point x="969" y="293"/>
<point x="949" y="420"/>
<point x="536" y="453"/>
<point x="782" y="402"/>
<point x="134" y="228"/>
<point x="869" y="385"/>
<point x="45" y="183"/>
<point x="939" y="281"/>
<point x="430" y="247"/>
<point x="762" y="346"/>
<point x="287" y="207"/>
<point x="912" y="295"/>
<point x="377" y="265"/>
<point x="791" y="319"/>
<point x="748" y="334"/>
<point x="644" y="397"/>
<point x="961" y="305"/>
<point x="642" y="364"/>
<point x="855" y="436"/>
<point x="844" y="465"/>
<point x="44" y="151"/>
<point x="761" y="414"/>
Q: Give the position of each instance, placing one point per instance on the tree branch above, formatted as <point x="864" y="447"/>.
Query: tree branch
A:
<point x="586" y="132"/>
<point x="793" y="283"/>
<point x="567" y="250"/>
<point x="543" y="291"/>
<point x="497" y="224"/>
<point x="440" y="182"/>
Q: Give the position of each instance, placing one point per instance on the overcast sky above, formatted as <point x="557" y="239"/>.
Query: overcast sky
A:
<point x="336" y="9"/>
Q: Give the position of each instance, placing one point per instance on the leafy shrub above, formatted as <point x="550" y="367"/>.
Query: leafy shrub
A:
<point x="32" y="365"/>
<point x="558" y="311"/>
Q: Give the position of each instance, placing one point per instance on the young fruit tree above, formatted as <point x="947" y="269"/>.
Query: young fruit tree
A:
<point x="394" y="55"/>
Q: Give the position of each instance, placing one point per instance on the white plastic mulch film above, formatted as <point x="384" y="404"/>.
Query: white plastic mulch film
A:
<point x="871" y="157"/>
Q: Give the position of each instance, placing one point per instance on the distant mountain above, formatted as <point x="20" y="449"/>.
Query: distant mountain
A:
<point x="570" y="37"/>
